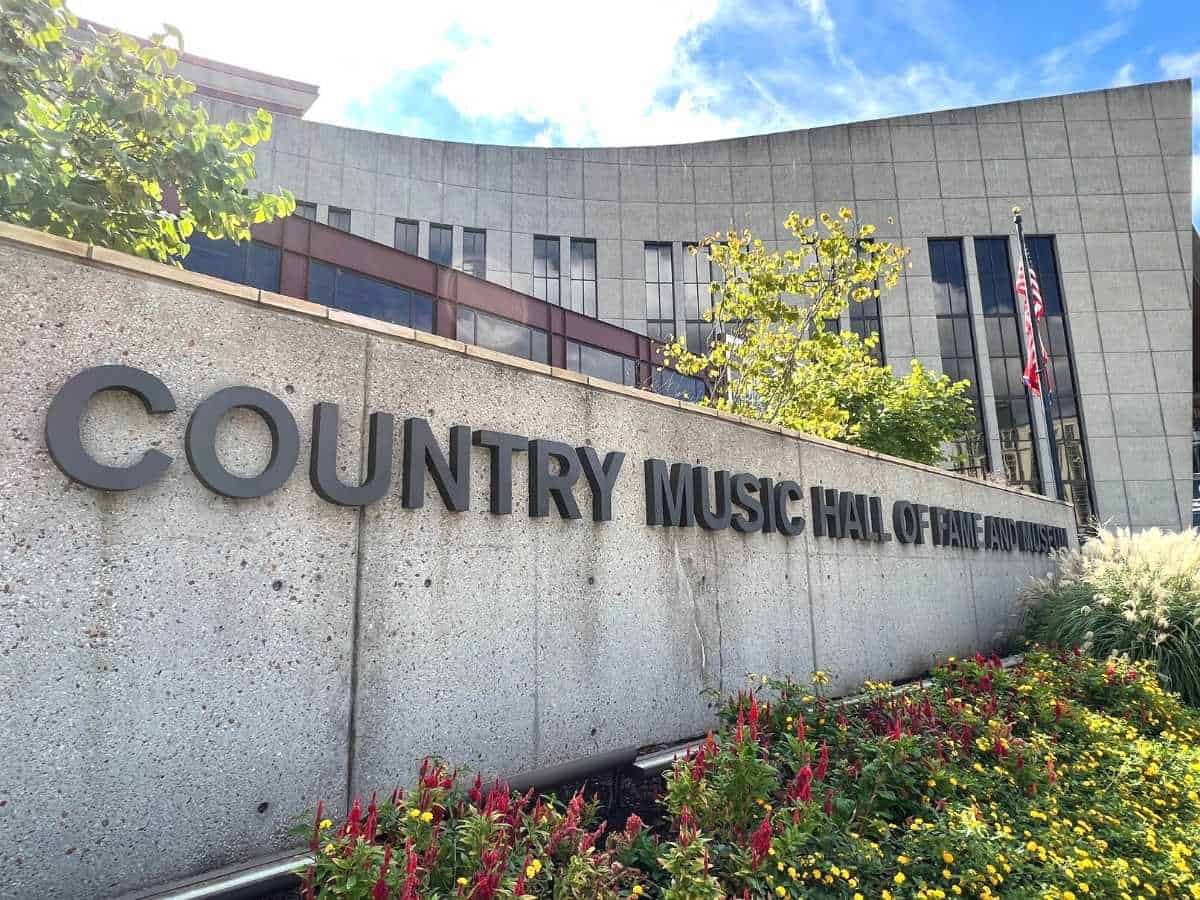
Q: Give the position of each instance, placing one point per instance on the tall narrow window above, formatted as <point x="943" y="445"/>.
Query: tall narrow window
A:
<point x="339" y="218"/>
<point x="583" y="276"/>
<point x="406" y="236"/>
<point x="865" y="321"/>
<point x="546" y="269"/>
<point x="956" y="338"/>
<point x="697" y="298"/>
<point x="475" y="252"/>
<point x="1006" y="346"/>
<point x="306" y="210"/>
<point x="441" y="244"/>
<point x="1068" y="419"/>
<point x="660" y="292"/>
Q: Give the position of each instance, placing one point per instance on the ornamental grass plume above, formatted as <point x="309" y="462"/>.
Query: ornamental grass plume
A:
<point x="1133" y="595"/>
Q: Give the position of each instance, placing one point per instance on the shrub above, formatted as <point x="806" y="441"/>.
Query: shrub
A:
<point x="1132" y="594"/>
<point x="1063" y="778"/>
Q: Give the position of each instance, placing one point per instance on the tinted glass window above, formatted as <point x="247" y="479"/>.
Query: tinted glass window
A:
<point x="956" y="338"/>
<point x="865" y="321"/>
<point x="601" y="363"/>
<point x="365" y="296"/>
<point x="660" y="292"/>
<point x="406" y="236"/>
<point x="441" y="244"/>
<point x="673" y="384"/>
<point x="475" y="252"/>
<point x="1064" y="395"/>
<point x="583" y="276"/>
<point x="1006" y="352"/>
<point x="306" y="210"/>
<point x="339" y="218"/>
<point x="546" y="269"/>
<point x="249" y="262"/>
<point x="502" y="335"/>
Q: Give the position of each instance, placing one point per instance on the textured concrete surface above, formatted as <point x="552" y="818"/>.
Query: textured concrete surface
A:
<point x="1106" y="173"/>
<point x="176" y="668"/>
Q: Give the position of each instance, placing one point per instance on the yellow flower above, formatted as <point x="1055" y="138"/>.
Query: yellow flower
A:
<point x="899" y="879"/>
<point x="637" y="890"/>
<point x="820" y="677"/>
<point x="461" y="881"/>
<point x="325" y="823"/>
<point x="414" y="814"/>
<point x="947" y="857"/>
<point x="530" y="872"/>
<point x="427" y="817"/>
<point x="781" y="891"/>
<point x="537" y="865"/>
<point x="330" y="849"/>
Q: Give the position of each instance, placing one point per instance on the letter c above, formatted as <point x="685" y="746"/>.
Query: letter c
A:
<point x="66" y="411"/>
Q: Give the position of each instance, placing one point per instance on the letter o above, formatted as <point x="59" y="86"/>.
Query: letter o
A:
<point x="905" y="522"/>
<point x="67" y="408"/>
<point x="201" y="442"/>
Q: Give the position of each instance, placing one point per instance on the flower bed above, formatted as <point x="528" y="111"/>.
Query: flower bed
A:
<point x="1064" y="777"/>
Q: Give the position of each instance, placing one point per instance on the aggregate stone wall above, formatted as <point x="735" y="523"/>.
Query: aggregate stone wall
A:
<point x="181" y="673"/>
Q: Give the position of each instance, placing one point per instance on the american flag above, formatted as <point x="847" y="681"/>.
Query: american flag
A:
<point x="1039" y="312"/>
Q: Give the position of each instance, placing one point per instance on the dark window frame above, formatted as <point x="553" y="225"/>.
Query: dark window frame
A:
<point x="476" y="265"/>
<point x="305" y="210"/>
<point x="329" y="284"/>
<point x="445" y="232"/>
<point x="975" y="465"/>
<point x="697" y="298"/>
<point x="1044" y="248"/>
<point x="1002" y="326"/>
<point x="583" y="288"/>
<point x="412" y="230"/>
<point x="659" y="327"/>
<point x="338" y="211"/>
<point x="546" y="284"/>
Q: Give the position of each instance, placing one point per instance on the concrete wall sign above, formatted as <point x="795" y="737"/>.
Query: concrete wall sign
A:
<point x="681" y="499"/>
<point x="199" y="638"/>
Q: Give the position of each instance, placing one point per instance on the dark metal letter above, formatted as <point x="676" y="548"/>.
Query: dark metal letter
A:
<point x="787" y="491"/>
<point x="422" y="451"/>
<point x="905" y="522"/>
<point x="601" y="479"/>
<point x="708" y="518"/>
<point x="501" y="447"/>
<point x="669" y="502"/>
<point x="322" y="463"/>
<point x="544" y="484"/>
<point x="67" y="408"/>
<point x="201" y="442"/>
<point x="744" y="488"/>
<point x="825" y="515"/>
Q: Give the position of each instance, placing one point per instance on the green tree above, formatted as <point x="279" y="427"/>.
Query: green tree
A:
<point x="779" y="356"/>
<point x="95" y="131"/>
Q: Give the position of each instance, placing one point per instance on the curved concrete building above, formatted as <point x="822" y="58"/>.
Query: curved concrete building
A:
<point x="1103" y="177"/>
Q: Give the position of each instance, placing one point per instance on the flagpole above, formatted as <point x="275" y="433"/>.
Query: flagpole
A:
<point x="1043" y="383"/>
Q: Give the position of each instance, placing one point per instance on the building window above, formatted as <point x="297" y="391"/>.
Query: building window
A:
<point x="697" y="298"/>
<point x="249" y="262"/>
<point x="673" y="384"/>
<point x="583" y="276"/>
<point x="502" y="335"/>
<point x="406" y="236"/>
<point x="1064" y="397"/>
<point x="475" y="252"/>
<point x="1006" y="353"/>
<point x="339" y="218"/>
<point x="546" y="269"/>
<point x="660" y="292"/>
<point x="441" y="244"/>
<point x="601" y="364"/>
<point x="306" y="210"/>
<point x="354" y="292"/>
<point x="956" y="337"/>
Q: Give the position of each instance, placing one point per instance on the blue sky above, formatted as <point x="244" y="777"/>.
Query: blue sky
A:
<point x="637" y="72"/>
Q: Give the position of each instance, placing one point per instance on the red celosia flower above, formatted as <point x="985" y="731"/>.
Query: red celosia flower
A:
<point x="801" y="732"/>
<point x="352" y="826"/>
<point x="380" y="891"/>
<point x="476" y="791"/>
<point x="633" y="826"/>
<point x="823" y="763"/>
<point x="801" y="789"/>
<point x="410" y="873"/>
<point x="829" y="801"/>
<point x="315" y="841"/>
<point x="760" y="842"/>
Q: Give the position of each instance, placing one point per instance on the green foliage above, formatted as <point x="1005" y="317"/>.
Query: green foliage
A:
<point x="779" y="356"/>
<point x="96" y="132"/>
<point x="1137" y="595"/>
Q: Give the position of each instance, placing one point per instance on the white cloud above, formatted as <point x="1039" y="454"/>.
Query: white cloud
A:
<point x="1123" y="76"/>
<point x="622" y="74"/>
<point x="1180" y="65"/>
<point x="1063" y="65"/>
